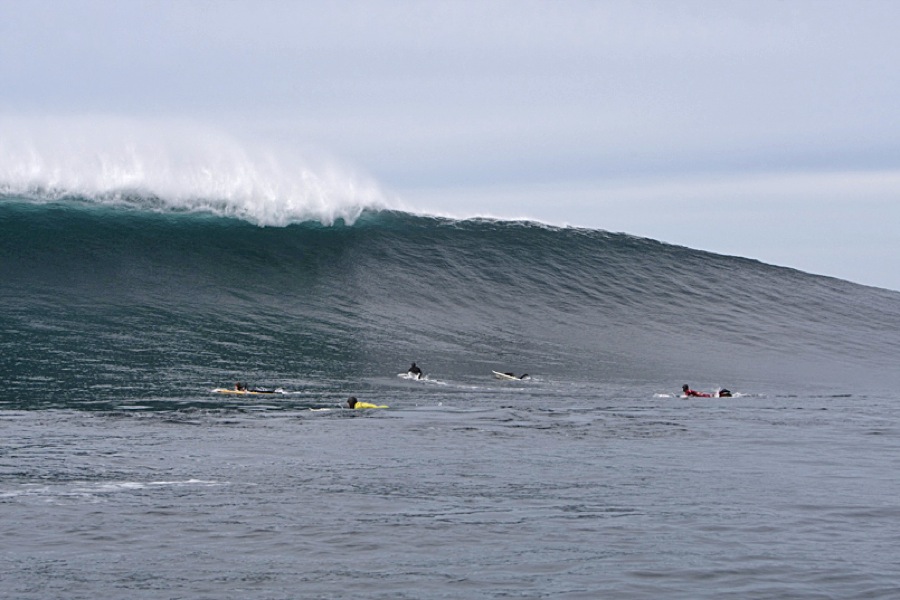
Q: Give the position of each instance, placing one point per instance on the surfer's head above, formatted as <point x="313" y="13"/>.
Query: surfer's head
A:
<point x="685" y="387"/>
<point x="351" y="401"/>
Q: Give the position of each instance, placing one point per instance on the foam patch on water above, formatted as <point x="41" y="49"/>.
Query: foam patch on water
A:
<point x="93" y="491"/>
<point x="178" y="166"/>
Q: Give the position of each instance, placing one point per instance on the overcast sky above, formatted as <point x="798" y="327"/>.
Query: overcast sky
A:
<point x="764" y="129"/>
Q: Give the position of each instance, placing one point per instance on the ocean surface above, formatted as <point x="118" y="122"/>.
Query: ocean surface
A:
<point x="122" y="475"/>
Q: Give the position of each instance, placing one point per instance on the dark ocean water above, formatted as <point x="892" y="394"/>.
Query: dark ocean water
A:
<point x="122" y="475"/>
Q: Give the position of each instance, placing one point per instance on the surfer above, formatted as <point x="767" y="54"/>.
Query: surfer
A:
<point x="525" y="376"/>
<point x="352" y="402"/>
<point x="264" y="390"/>
<point x="415" y="371"/>
<point x="507" y="375"/>
<point x="723" y="393"/>
<point x="689" y="392"/>
<point x="241" y="388"/>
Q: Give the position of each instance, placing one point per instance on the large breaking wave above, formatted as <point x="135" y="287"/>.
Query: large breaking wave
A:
<point x="132" y="259"/>
<point x="135" y="301"/>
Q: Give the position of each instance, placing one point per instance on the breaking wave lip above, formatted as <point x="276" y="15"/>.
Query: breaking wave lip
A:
<point x="265" y="212"/>
<point x="179" y="168"/>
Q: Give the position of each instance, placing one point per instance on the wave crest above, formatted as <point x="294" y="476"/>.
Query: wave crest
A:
<point x="178" y="167"/>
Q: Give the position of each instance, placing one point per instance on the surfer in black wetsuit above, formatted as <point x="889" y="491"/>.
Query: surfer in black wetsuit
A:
<point x="525" y="376"/>
<point x="415" y="371"/>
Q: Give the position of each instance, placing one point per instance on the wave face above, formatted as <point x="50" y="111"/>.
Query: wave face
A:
<point x="100" y="301"/>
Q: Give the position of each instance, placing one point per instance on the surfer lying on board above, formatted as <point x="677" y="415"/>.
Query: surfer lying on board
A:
<point x="415" y="371"/>
<point x="525" y="376"/>
<point x="242" y="387"/>
<point x="689" y="392"/>
<point x="352" y="402"/>
<point x="722" y="393"/>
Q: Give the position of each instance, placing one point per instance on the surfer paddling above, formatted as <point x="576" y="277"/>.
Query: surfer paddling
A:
<point x="242" y="388"/>
<point x="352" y="402"/>
<point x="688" y="392"/>
<point x="510" y="375"/>
<point x="414" y="371"/>
<point x="692" y="393"/>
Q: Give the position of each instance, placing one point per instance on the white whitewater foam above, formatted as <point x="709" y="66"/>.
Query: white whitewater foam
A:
<point x="179" y="166"/>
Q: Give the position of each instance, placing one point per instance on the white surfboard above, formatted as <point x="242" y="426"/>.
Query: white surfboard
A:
<point x="407" y="375"/>
<point x="504" y="376"/>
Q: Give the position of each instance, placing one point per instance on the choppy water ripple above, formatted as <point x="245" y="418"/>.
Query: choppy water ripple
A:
<point x="637" y="499"/>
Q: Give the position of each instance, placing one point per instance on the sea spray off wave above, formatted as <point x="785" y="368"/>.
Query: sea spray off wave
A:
<point x="177" y="167"/>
